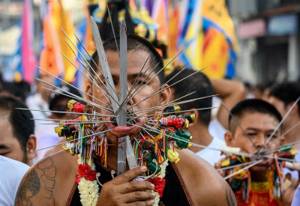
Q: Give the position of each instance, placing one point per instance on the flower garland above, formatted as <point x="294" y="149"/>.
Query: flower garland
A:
<point x="159" y="183"/>
<point x="86" y="179"/>
<point x="153" y="150"/>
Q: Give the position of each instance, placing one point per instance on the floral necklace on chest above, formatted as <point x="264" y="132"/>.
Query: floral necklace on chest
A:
<point x="153" y="148"/>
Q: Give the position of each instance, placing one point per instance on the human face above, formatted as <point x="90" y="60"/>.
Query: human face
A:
<point x="9" y="145"/>
<point x="148" y="94"/>
<point x="253" y="131"/>
<point x="146" y="97"/>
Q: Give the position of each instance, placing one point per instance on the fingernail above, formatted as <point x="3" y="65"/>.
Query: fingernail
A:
<point x="150" y="202"/>
<point x="144" y="168"/>
<point x="153" y="186"/>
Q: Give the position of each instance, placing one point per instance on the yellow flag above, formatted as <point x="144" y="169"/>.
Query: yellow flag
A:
<point x="215" y="54"/>
<point x="66" y="32"/>
<point x="216" y="12"/>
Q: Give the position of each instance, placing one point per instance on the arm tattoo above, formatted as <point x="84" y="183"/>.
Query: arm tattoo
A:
<point x="230" y="197"/>
<point x="48" y="174"/>
<point x="30" y="187"/>
<point x="39" y="182"/>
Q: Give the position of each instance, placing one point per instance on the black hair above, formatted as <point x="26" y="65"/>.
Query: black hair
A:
<point x="21" y="120"/>
<point x="138" y="44"/>
<point x="287" y="92"/>
<point x="111" y="19"/>
<point x="19" y="89"/>
<point x="252" y="106"/>
<point x="61" y="95"/>
<point x="197" y="83"/>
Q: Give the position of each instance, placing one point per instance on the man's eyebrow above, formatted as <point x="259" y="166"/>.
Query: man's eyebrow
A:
<point x="272" y="130"/>
<point x="256" y="129"/>
<point x="251" y="128"/>
<point x="141" y="75"/>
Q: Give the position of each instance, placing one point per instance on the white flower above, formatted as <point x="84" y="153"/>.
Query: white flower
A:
<point x="88" y="191"/>
<point x="163" y="168"/>
<point x="156" y="199"/>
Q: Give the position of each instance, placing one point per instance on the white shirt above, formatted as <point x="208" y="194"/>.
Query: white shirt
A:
<point x="47" y="139"/>
<point x="216" y="129"/>
<point x="36" y="102"/>
<point x="44" y="130"/>
<point x="12" y="173"/>
<point x="296" y="199"/>
<point x="294" y="174"/>
<point x="211" y="154"/>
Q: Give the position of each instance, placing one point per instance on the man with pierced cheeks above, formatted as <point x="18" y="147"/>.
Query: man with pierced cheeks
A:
<point x="189" y="182"/>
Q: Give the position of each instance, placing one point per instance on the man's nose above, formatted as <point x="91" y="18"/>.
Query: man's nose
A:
<point x="130" y="93"/>
<point x="260" y="141"/>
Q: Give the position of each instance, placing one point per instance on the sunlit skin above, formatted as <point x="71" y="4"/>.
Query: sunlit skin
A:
<point x="251" y="133"/>
<point x="9" y="144"/>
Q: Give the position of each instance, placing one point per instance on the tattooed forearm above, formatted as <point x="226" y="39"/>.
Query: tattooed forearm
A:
<point x="230" y="197"/>
<point x="38" y="185"/>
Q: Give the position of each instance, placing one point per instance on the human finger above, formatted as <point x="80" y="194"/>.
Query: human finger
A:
<point x="138" y="196"/>
<point x="141" y="203"/>
<point x="129" y="175"/>
<point x="135" y="186"/>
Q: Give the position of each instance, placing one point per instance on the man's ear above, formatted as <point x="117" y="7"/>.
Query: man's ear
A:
<point x="282" y="140"/>
<point x="229" y="139"/>
<point x="31" y="148"/>
<point x="166" y="94"/>
<point x="196" y="113"/>
<point x="88" y="90"/>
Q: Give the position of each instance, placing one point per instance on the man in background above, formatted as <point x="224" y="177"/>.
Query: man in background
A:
<point x="199" y="88"/>
<point x="17" y="140"/>
<point x="251" y="124"/>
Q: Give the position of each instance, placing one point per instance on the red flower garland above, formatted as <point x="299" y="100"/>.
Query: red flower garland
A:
<point x="85" y="171"/>
<point x="159" y="184"/>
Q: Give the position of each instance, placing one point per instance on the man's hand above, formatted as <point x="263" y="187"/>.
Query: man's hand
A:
<point x="125" y="191"/>
<point x="112" y="137"/>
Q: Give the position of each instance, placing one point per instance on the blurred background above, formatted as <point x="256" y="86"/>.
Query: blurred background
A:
<point x="255" y="41"/>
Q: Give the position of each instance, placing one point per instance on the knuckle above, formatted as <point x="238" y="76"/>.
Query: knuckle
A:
<point x="127" y="175"/>
<point x="134" y="185"/>
<point x="117" y="200"/>
<point x="138" y="195"/>
<point x="141" y="195"/>
<point x="141" y="185"/>
<point x="148" y="184"/>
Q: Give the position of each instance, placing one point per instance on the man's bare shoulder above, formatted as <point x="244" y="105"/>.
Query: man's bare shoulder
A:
<point x="44" y="181"/>
<point x="203" y="182"/>
<point x="197" y="166"/>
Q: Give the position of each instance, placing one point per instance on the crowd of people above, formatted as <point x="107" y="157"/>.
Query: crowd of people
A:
<point x="235" y="158"/>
